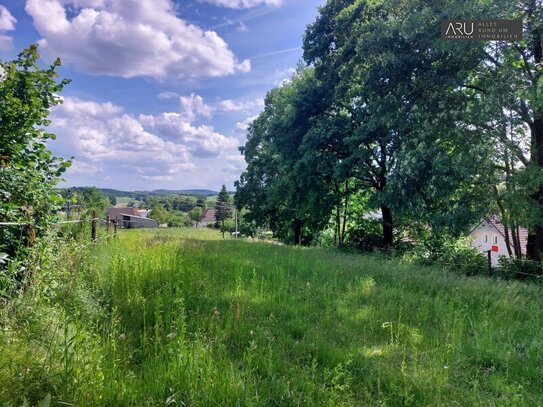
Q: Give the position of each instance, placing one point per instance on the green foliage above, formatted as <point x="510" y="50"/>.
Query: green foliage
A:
<point x="223" y="209"/>
<point x="28" y="170"/>
<point x="519" y="269"/>
<point x="164" y="316"/>
<point x="457" y="256"/>
<point x="94" y="200"/>
<point x="160" y="214"/>
<point x="177" y="219"/>
<point x="195" y="214"/>
<point x="183" y="203"/>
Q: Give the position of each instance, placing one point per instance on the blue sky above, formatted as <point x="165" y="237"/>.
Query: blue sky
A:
<point x="161" y="90"/>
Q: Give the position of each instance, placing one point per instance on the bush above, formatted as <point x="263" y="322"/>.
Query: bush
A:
<point x="519" y="269"/>
<point x="30" y="172"/>
<point x="366" y="235"/>
<point x="457" y="256"/>
<point x="178" y="219"/>
<point x="325" y="238"/>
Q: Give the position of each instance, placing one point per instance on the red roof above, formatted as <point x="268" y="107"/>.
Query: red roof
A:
<point x="209" y="216"/>
<point x="523" y="233"/>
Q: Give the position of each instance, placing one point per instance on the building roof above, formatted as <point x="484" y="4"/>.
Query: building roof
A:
<point x="112" y="213"/>
<point x="496" y="224"/>
<point x="136" y="216"/>
<point x="208" y="216"/>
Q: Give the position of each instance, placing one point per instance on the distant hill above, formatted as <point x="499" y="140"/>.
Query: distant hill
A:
<point x="203" y="192"/>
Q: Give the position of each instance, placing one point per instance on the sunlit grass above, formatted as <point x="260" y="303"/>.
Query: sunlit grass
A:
<point x="187" y="318"/>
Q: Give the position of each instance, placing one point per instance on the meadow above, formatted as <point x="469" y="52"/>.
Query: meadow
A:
<point x="183" y="317"/>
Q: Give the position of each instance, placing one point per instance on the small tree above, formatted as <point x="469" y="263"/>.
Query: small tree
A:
<point x="201" y="201"/>
<point x="113" y="200"/>
<point x="223" y="209"/>
<point x="160" y="214"/>
<point x="94" y="199"/>
<point x="195" y="215"/>
<point x="178" y="219"/>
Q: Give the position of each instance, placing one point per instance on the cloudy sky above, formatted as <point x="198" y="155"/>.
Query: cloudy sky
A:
<point x="161" y="90"/>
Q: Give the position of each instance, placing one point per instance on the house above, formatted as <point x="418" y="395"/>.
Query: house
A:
<point x="129" y="218"/>
<point x="489" y="235"/>
<point x="144" y="213"/>
<point x="115" y="213"/>
<point x="208" y="217"/>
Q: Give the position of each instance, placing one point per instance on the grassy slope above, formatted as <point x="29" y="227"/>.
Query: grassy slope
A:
<point x="187" y="317"/>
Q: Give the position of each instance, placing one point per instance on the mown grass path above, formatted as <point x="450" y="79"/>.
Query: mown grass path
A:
<point x="190" y="319"/>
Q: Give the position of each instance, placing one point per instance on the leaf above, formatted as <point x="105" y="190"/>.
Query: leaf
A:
<point x="4" y="258"/>
<point x="46" y="402"/>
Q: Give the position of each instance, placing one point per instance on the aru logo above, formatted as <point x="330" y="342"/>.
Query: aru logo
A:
<point x="481" y="30"/>
<point x="460" y="28"/>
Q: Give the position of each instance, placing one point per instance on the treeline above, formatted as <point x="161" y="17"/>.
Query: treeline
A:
<point x="181" y="203"/>
<point x="384" y="117"/>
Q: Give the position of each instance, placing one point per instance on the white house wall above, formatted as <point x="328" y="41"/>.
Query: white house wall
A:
<point x="478" y="242"/>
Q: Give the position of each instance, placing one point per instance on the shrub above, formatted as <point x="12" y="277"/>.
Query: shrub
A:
<point x="519" y="269"/>
<point x="178" y="219"/>
<point x="457" y="256"/>
<point x="29" y="170"/>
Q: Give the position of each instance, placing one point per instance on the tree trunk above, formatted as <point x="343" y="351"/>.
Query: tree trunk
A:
<point x="518" y="248"/>
<point x="501" y="207"/>
<point x="297" y="231"/>
<point x="514" y="240"/>
<point x="338" y="222"/>
<point x="508" y="240"/>
<point x="387" y="227"/>
<point x="345" y="211"/>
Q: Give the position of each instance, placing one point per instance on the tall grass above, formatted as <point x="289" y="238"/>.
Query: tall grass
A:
<point x="184" y="318"/>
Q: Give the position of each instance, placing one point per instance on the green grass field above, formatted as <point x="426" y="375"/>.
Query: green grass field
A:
<point x="181" y="317"/>
<point x="122" y="201"/>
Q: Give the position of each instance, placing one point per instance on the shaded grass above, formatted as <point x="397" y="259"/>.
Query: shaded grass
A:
<point x="183" y="317"/>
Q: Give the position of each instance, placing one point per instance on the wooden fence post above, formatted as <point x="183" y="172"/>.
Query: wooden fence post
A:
<point x="114" y="228"/>
<point x="489" y="253"/>
<point x="31" y="235"/>
<point x="93" y="227"/>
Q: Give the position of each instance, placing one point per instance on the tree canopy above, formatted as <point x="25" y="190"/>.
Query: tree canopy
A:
<point x="433" y="134"/>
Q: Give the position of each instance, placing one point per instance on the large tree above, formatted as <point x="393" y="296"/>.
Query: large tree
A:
<point x="283" y="187"/>
<point x="28" y="170"/>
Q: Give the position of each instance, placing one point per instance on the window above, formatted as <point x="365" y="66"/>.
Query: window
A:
<point x="486" y="239"/>
<point x="495" y="239"/>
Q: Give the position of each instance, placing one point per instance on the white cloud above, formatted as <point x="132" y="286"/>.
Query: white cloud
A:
<point x="244" y="3"/>
<point x="285" y="76"/>
<point x="168" y="95"/>
<point x="242" y="27"/>
<point x="201" y="141"/>
<point x="7" y="23"/>
<point x="229" y="105"/>
<point x="243" y="126"/>
<point x="108" y="142"/>
<point x="193" y="106"/>
<point x="130" y="38"/>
